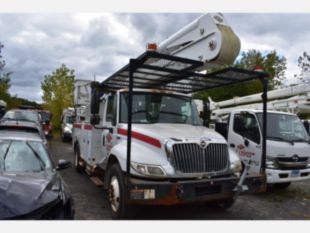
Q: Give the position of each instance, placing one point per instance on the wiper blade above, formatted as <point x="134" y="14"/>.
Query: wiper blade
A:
<point x="5" y="154"/>
<point x="281" y="139"/>
<point x="42" y="164"/>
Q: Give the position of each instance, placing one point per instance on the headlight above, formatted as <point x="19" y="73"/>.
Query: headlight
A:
<point x="271" y="162"/>
<point x="67" y="129"/>
<point x="235" y="162"/>
<point x="236" y="166"/>
<point x="148" y="170"/>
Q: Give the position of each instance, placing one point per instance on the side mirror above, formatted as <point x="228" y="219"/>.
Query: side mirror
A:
<point x="63" y="164"/>
<point x="94" y="119"/>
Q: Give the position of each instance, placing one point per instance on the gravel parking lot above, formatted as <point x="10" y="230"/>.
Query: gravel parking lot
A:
<point x="90" y="201"/>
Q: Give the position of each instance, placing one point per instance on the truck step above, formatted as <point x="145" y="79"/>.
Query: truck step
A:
<point x="97" y="181"/>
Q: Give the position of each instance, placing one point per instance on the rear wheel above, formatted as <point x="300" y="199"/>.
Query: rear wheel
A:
<point x="77" y="160"/>
<point x="116" y="192"/>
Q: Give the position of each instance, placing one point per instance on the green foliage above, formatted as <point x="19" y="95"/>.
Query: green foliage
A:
<point x="304" y="64"/>
<point x="58" y="92"/>
<point x="271" y="63"/>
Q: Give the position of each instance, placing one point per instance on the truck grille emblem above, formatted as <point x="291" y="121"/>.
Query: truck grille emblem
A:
<point x="295" y="158"/>
<point x="204" y="142"/>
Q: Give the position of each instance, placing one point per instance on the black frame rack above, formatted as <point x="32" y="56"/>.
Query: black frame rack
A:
<point x="153" y="70"/>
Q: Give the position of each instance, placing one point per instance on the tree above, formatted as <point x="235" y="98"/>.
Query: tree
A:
<point x="304" y="64"/>
<point x="271" y="63"/>
<point x="5" y="79"/>
<point x="58" y="92"/>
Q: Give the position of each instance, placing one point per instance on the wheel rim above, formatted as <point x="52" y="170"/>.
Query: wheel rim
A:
<point x="114" y="193"/>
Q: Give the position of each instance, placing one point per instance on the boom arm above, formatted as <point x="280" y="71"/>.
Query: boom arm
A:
<point x="209" y="39"/>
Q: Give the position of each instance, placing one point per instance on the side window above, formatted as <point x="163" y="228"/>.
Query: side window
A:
<point x="246" y="125"/>
<point x="110" y="109"/>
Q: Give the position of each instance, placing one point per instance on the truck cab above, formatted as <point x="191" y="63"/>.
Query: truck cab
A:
<point x="288" y="147"/>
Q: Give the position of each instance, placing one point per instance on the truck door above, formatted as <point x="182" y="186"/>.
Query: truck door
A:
<point x="245" y="137"/>
<point x="110" y="122"/>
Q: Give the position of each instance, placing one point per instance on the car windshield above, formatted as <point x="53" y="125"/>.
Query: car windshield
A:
<point x="21" y="115"/>
<point x="284" y="127"/>
<point x="45" y="116"/>
<point x="23" y="156"/>
<point x="70" y="119"/>
<point x="160" y="108"/>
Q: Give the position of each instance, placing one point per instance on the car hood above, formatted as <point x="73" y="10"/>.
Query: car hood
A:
<point x="21" y="194"/>
<point x="179" y="131"/>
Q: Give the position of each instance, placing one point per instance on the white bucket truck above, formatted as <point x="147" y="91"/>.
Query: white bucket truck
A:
<point x="142" y="138"/>
<point x="288" y="146"/>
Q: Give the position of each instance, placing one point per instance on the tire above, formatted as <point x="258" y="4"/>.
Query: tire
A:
<point x="63" y="138"/>
<point x="282" y="185"/>
<point x="224" y="204"/>
<point x="77" y="160"/>
<point x="116" y="194"/>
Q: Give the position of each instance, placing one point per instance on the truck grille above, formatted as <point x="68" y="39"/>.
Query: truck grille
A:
<point x="191" y="158"/>
<point x="290" y="163"/>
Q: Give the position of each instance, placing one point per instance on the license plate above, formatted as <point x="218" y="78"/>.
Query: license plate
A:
<point x="295" y="173"/>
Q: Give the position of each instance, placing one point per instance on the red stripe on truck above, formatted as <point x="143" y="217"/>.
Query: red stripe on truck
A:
<point x="88" y="127"/>
<point x="141" y="137"/>
<point x="77" y="126"/>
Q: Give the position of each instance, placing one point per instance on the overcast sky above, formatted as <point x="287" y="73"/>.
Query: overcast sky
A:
<point x="100" y="44"/>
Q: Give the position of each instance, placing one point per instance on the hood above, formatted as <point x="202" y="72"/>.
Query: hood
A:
<point x="21" y="194"/>
<point x="285" y="149"/>
<point x="69" y="126"/>
<point x="177" y="131"/>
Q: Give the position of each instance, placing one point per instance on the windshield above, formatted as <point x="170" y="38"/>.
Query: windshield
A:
<point x="45" y="116"/>
<point x="22" y="115"/>
<point x="284" y="127"/>
<point x="70" y="119"/>
<point x="159" y="108"/>
<point x="23" y="156"/>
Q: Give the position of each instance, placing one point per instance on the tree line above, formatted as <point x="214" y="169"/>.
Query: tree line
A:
<point x="58" y="86"/>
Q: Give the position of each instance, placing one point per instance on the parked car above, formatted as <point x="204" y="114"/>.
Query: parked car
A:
<point x="30" y="185"/>
<point x="23" y="119"/>
<point x="46" y="121"/>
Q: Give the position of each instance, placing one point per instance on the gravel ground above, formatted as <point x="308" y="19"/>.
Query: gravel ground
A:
<point x="90" y="202"/>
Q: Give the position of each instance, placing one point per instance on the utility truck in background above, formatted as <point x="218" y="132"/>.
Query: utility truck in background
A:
<point x="67" y="119"/>
<point x="239" y="120"/>
<point x="142" y="139"/>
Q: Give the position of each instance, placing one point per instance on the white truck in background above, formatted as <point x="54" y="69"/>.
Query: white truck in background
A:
<point x="67" y="120"/>
<point x="142" y="138"/>
<point x="288" y="145"/>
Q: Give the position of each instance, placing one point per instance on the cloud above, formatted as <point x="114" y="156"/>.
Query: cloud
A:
<point x="100" y="44"/>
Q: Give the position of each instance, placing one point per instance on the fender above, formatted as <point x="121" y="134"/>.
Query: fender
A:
<point x="155" y="156"/>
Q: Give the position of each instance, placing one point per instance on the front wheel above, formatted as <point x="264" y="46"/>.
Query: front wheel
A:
<point x="224" y="204"/>
<point x="116" y="191"/>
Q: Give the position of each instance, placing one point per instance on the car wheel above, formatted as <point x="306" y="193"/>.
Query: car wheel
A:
<point x="77" y="160"/>
<point x="116" y="194"/>
<point x="63" y="139"/>
<point x="224" y="204"/>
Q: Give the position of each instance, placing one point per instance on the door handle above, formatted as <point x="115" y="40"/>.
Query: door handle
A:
<point x="232" y="145"/>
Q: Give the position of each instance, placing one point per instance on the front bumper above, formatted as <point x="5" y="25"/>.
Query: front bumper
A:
<point x="282" y="176"/>
<point x="146" y="192"/>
